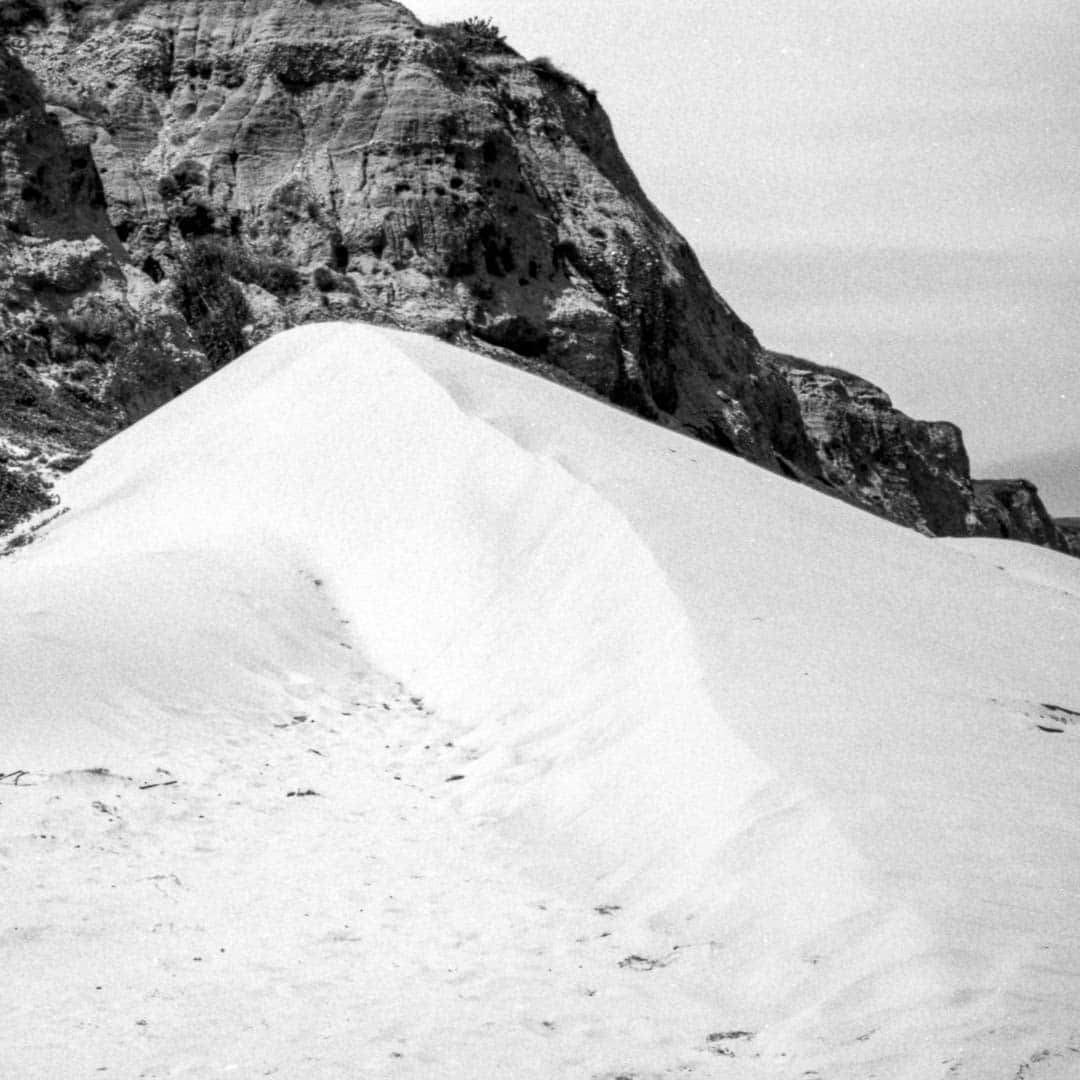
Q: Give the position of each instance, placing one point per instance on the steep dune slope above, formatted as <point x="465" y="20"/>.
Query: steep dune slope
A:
<point x="793" y="759"/>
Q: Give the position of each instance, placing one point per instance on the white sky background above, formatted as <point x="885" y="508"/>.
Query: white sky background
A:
<point x="885" y="186"/>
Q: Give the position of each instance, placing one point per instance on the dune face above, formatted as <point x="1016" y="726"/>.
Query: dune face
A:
<point x="376" y="707"/>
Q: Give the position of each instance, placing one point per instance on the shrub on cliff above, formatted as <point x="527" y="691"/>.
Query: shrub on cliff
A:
<point x="21" y="494"/>
<point x="482" y="30"/>
<point x="211" y="302"/>
<point x="85" y="332"/>
<point x="277" y="276"/>
<point x="151" y="369"/>
<point x="473" y="35"/>
<point x="326" y="281"/>
<point x="168" y="188"/>
<point x="187" y="174"/>
<point x="15" y="14"/>
<point x="129" y="8"/>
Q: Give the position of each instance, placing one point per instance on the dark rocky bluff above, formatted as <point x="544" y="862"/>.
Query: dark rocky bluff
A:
<point x="1070" y="530"/>
<point x="84" y="345"/>
<point x="1012" y="509"/>
<point x="182" y="179"/>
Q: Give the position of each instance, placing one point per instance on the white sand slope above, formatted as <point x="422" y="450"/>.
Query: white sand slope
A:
<point x="377" y="710"/>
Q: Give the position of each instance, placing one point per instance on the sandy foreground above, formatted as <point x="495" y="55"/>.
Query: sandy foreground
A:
<point x="681" y="769"/>
<point x="298" y="896"/>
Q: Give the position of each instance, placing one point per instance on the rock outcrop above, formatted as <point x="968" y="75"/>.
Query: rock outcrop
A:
<point x="83" y="349"/>
<point x="1013" y="510"/>
<point x="912" y="471"/>
<point x="1070" y="529"/>
<point x="428" y="177"/>
<point x="230" y="167"/>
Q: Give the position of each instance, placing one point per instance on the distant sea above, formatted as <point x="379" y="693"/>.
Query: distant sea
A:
<point x="986" y="339"/>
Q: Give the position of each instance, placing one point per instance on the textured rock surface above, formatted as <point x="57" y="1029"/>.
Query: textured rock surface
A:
<point x="434" y="180"/>
<point x="915" y="472"/>
<point x="339" y="159"/>
<point x="1012" y="509"/>
<point x="1070" y="529"/>
<point x="83" y="348"/>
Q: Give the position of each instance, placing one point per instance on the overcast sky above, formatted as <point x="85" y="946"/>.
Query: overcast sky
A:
<point x="890" y="187"/>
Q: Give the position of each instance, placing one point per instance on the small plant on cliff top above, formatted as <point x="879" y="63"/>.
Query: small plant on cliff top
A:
<point x="470" y="35"/>
<point x="482" y="29"/>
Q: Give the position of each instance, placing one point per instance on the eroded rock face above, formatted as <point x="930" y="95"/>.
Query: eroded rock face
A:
<point x="914" y="472"/>
<point x="1012" y="509"/>
<point x="339" y="159"/>
<point x="1070" y="530"/>
<point x="83" y="349"/>
<point x="434" y="180"/>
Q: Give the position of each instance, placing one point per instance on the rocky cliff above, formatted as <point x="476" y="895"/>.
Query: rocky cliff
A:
<point x="912" y="471"/>
<point x="76" y="321"/>
<point x="1070" y="530"/>
<point x="182" y="179"/>
<point x="1013" y="510"/>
